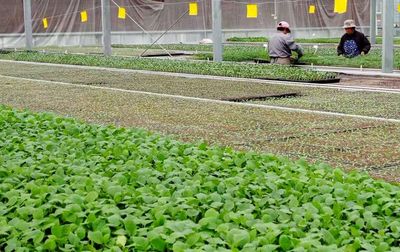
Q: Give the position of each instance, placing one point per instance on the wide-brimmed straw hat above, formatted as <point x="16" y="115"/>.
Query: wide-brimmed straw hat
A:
<point x="349" y="24"/>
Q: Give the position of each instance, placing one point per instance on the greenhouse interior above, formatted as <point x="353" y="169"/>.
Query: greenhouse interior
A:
<point x="200" y="125"/>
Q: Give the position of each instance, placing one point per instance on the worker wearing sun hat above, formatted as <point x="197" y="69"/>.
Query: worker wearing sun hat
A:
<point x="353" y="43"/>
<point x="281" y="45"/>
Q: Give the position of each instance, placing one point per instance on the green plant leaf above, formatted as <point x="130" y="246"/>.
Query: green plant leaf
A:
<point x="96" y="237"/>
<point x="285" y="242"/>
<point x="130" y="225"/>
<point x="237" y="238"/>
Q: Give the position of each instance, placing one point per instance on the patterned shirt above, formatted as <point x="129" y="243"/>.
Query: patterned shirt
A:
<point x="351" y="49"/>
<point x="352" y="45"/>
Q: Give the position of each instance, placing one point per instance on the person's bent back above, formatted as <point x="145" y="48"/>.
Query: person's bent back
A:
<point x="281" y="45"/>
<point x="353" y="43"/>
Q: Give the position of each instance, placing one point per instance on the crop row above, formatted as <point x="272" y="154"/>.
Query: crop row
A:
<point x="243" y="53"/>
<point x="356" y="103"/>
<point x="243" y="128"/>
<point x="360" y="103"/>
<point x="300" y="40"/>
<point x="323" y="56"/>
<point x="72" y="186"/>
<point x="178" y="66"/>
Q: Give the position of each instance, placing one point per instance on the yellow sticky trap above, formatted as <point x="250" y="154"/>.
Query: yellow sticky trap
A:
<point x="252" y="11"/>
<point x="311" y="9"/>
<point x="193" y="9"/>
<point x="121" y="13"/>
<point x="340" y="6"/>
<point x="398" y="8"/>
<point x="45" y="23"/>
<point x="84" y="16"/>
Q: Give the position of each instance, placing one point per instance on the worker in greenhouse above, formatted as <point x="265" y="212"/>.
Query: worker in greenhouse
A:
<point x="281" y="45"/>
<point x="353" y="43"/>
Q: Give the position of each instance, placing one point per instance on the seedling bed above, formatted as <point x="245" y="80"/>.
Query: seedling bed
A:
<point x="323" y="56"/>
<point x="178" y="66"/>
<point x="371" y="81"/>
<point x="88" y="187"/>
<point x="239" y="127"/>
<point x="311" y="98"/>
<point x="327" y="132"/>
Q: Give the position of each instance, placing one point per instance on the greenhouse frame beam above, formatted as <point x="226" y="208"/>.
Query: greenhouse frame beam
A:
<point x="217" y="30"/>
<point x="372" y="31"/>
<point x="106" y="27"/>
<point x="387" y="36"/>
<point x="28" y="24"/>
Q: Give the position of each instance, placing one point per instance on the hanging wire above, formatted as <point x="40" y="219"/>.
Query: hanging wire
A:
<point x="165" y="50"/>
<point x="169" y="28"/>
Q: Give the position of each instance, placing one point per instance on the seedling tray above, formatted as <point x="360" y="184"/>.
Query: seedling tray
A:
<point x="265" y="61"/>
<point x="164" y="54"/>
<point x="327" y="81"/>
<point x="259" y="97"/>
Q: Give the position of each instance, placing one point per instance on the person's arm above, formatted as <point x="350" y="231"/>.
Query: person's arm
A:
<point x="295" y="47"/>
<point x="366" y="45"/>
<point x="299" y="51"/>
<point x="340" y="49"/>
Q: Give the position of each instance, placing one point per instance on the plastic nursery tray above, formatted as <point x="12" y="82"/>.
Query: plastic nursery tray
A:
<point x="262" y="61"/>
<point x="260" y="97"/>
<point x="164" y="54"/>
<point x="7" y="51"/>
<point x="326" y="81"/>
<point x="265" y="61"/>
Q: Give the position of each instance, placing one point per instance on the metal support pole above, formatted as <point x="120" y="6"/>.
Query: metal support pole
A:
<point x="217" y="30"/>
<point x="28" y="24"/>
<point x="106" y="23"/>
<point x="372" y="32"/>
<point x="388" y="36"/>
<point x="276" y="12"/>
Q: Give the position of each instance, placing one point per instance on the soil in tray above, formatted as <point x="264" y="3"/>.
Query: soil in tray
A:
<point x="370" y="81"/>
